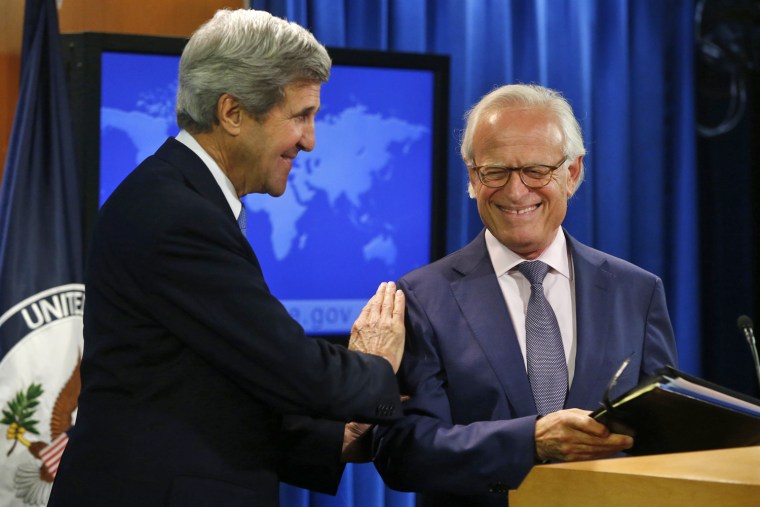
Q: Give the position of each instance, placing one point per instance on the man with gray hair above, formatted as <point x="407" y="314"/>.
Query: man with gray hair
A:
<point x="512" y="340"/>
<point x="198" y="388"/>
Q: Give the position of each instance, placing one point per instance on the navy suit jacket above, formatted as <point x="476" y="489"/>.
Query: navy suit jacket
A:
<point x="467" y="435"/>
<point x="198" y="388"/>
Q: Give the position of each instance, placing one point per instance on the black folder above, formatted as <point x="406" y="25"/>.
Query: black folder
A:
<point x="677" y="412"/>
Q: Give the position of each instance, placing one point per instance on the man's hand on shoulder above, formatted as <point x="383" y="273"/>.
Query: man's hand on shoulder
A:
<point x="571" y="435"/>
<point x="379" y="330"/>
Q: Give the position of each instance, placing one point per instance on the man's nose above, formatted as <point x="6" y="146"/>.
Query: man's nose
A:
<point x="308" y="138"/>
<point x="515" y="185"/>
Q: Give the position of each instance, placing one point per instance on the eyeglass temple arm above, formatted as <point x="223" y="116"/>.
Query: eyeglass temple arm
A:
<point x="613" y="381"/>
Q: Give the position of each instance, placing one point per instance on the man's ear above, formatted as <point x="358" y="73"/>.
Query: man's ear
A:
<point x="574" y="174"/>
<point x="230" y="114"/>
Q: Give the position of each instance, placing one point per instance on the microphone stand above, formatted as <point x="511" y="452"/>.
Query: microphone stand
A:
<point x="753" y="347"/>
<point x="745" y="323"/>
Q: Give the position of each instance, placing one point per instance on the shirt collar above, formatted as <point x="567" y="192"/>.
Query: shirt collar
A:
<point x="505" y="260"/>
<point x="221" y="179"/>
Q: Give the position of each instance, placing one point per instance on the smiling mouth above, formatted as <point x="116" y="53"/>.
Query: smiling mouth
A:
<point x="522" y="211"/>
<point x="291" y="154"/>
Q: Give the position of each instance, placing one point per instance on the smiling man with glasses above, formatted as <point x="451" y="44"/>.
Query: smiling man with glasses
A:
<point x="511" y="341"/>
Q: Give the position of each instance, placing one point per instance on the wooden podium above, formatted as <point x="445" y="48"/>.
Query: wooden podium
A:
<point x="726" y="477"/>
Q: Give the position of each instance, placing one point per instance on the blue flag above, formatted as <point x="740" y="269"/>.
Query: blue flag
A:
<point x="41" y="265"/>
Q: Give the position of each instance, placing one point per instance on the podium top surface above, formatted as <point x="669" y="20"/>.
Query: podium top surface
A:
<point x="698" y="479"/>
<point x="739" y="465"/>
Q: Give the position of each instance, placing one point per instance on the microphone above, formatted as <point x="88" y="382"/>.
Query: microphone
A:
<point x="745" y="324"/>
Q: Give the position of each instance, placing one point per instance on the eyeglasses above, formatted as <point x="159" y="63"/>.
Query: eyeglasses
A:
<point x="613" y="382"/>
<point x="532" y="176"/>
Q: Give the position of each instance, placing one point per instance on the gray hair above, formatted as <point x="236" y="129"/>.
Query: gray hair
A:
<point x="249" y="54"/>
<point x="525" y="95"/>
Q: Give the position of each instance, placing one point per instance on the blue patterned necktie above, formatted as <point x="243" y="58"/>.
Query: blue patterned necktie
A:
<point x="547" y="369"/>
<point x="241" y="220"/>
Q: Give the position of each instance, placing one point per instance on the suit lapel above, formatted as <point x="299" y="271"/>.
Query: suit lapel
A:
<point x="593" y="281"/>
<point x="480" y="299"/>
<point x="198" y="177"/>
<point x="195" y="172"/>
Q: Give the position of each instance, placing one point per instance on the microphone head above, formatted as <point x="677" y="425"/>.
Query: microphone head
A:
<point x="744" y="322"/>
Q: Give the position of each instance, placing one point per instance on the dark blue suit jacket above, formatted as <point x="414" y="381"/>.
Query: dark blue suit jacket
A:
<point x="468" y="431"/>
<point x="198" y="388"/>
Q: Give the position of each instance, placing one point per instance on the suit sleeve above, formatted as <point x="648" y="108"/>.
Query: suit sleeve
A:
<point x="659" y="341"/>
<point x="311" y="453"/>
<point x="424" y="451"/>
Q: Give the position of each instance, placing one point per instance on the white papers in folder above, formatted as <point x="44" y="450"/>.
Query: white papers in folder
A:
<point x="687" y="388"/>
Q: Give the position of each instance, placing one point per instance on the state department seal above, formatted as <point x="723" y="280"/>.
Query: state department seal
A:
<point x="39" y="386"/>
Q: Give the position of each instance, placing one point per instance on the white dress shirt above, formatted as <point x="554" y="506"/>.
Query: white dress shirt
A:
<point x="559" y="289"/>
